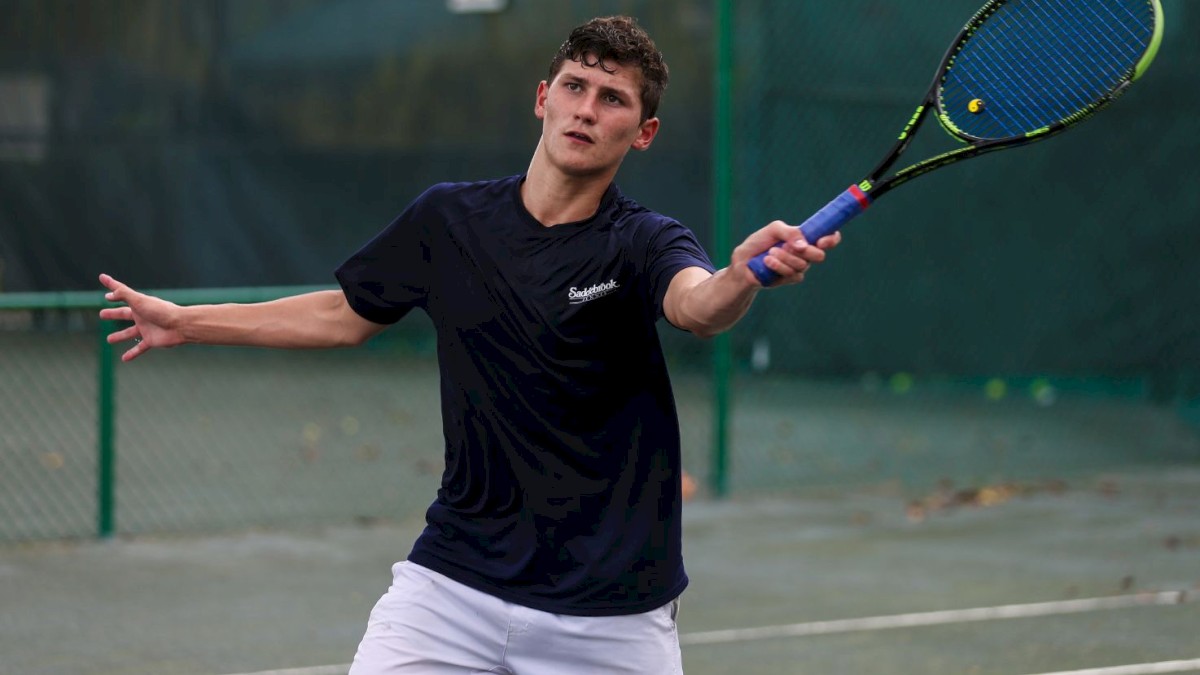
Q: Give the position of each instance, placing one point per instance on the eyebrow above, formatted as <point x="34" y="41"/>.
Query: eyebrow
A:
<point x="604" y="88"/>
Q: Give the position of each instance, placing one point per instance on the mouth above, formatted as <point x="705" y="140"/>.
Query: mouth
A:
<point x="579" y="136"/>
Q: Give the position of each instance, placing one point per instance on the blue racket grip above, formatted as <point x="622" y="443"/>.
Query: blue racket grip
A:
<point x="828" y="220"/>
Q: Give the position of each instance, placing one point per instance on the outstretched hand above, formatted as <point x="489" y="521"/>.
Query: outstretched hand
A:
<point x="791" y="261"/>
<point x="155" y="321"/>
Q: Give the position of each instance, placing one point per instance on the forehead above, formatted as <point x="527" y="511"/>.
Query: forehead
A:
<point x="624" y="77"/>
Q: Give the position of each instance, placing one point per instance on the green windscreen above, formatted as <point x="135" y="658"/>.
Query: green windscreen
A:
<point x="209" y="144"/>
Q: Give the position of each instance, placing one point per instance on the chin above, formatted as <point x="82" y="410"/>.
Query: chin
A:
<point x="584" y="170"/>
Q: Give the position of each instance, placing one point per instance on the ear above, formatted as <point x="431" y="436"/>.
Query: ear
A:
<point x="539" y="104"/>
<point x="646" y="134"/>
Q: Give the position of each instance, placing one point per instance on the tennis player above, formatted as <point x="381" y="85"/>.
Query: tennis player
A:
<point x="553" y="546"/>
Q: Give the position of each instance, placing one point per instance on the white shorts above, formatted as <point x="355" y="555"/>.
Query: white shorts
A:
<point x="429" y="624"/>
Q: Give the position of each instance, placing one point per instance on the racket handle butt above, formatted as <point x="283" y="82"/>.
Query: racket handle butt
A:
<point x="844" y="208"/>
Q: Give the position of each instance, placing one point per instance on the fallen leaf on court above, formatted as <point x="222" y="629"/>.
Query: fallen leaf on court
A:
<point x="1175" y="542"/>
<point x="946" y="498"/>
<point x="53" y="460"/>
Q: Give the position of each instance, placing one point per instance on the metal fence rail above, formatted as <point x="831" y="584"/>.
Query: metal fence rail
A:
<point x="210" y="439"/>
<point x="27" y="324"/>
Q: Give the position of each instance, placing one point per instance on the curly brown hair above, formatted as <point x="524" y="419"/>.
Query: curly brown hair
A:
<point x="617" y="39"/>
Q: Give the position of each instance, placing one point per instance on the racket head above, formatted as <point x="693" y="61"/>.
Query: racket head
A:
<point x="1023" y="69"/>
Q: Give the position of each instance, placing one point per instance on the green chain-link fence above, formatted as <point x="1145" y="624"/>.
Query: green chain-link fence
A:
<point x="204" y="439"/>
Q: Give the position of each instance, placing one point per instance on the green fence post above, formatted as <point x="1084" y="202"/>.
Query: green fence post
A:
<point x="722" y="221"/>
<point x="106" y="459"/>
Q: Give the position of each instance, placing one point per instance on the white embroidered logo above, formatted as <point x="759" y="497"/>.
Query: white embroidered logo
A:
<point x="578" y="296"/>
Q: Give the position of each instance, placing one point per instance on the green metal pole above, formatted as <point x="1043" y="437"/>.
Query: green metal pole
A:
<point x="722" y="224"/>
<point x="106" y="459"/>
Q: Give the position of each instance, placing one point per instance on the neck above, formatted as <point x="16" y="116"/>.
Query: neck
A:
<point x="553" y="197"/>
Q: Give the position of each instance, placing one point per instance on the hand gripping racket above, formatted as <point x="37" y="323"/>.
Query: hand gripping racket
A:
<point x="1019" y="72"/>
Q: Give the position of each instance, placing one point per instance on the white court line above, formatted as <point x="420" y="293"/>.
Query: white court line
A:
<point x="1139" y="669"/>
<point x="938" y="618"/>
<point x="1133" y="669"/>
<point x="312" y="670"/>
<point x="911" y="620"/>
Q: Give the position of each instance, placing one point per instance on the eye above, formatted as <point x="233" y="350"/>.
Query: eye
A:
<point x="613" y="99"/>
<point x="571" y="86"/>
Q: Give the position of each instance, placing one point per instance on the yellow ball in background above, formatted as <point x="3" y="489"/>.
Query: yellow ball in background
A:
<point x="901" y="383"/>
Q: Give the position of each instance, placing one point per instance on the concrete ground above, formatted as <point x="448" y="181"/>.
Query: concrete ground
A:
<point x="1110" y="567"/>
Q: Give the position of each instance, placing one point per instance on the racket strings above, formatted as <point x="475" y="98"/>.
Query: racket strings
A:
<point x="1037" y="62"/>
<point x="1068" y="82"/>
<point x="1109" y="27"/>
<point x="1050" y="93"/>
<point x="1082" y="75"/>
<point x="1020" y="78"/>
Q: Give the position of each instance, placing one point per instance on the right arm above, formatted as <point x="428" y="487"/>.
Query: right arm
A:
<point x="708" y="304"/>
<point x="316" y="320"/>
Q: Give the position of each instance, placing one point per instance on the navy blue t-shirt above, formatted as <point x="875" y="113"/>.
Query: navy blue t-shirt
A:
<point x="561" y="489"/>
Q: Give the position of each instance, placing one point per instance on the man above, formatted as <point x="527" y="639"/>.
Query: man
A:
<point x="554" y="543"/>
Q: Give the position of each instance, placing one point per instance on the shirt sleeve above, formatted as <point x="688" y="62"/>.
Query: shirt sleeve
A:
<point x="673" y="249"/>
<point x="389" y="275"/>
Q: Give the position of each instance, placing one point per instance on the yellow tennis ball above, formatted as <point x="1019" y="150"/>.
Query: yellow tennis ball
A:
<point x="976" y="105"/>
<point x="1043" y="392"/>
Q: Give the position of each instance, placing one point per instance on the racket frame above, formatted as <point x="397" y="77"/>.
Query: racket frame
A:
<point x="858" y="197"/>
<point x="875" y="185"/>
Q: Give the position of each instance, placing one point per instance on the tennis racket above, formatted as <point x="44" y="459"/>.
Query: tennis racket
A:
<point x="1019" y="72"/>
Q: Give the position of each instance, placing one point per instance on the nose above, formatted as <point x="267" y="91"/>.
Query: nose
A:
<point x="586" y="112"/>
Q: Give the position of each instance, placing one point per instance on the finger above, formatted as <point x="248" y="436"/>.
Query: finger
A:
<point x="777" y="232"/>
<point x="785" y="265"/>
<point x="117" y="314"/>
<point x="135" y="351"/>
<point x="117" y="291"/>
<point x="130" y="333"/>
<point x="829" y="241"/>
<point x="813" y="254"/>
<point x="108" y="282"/>
<point x="797" y="245"/>
<point x="800" y="260"/>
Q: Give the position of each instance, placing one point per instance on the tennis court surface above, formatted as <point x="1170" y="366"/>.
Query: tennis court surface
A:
<point x="1100" y="575"/>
